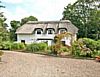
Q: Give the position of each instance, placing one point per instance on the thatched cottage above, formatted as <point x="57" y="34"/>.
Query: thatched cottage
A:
<point x="45" y="31"/>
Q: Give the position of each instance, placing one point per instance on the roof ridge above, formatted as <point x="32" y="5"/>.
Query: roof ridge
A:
<point x="61" y="21"/>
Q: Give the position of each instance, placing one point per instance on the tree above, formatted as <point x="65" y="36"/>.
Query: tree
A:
<point x="4" y="36"/>
<point x="26" y="19"/>
<point x="84" y="15"/>
<point x="14" y="25"/>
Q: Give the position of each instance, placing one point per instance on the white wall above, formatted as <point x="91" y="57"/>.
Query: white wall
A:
<point x="28" y="38"/>
<point x="33" y="38"/>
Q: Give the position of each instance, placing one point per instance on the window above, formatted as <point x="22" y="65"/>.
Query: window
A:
<point x="50" y="31"/>
<point x="62" y="30"/>
<point x="39" y="31"/>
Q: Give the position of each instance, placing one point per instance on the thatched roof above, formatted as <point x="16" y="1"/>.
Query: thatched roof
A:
<point x="29" y="27"/>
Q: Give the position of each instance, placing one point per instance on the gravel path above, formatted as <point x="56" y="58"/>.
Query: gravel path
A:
<point x="17" y="64"/>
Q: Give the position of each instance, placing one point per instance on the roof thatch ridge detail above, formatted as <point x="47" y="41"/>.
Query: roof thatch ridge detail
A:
<point x="39" y="22"/>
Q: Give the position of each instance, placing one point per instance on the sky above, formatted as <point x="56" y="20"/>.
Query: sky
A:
<point x="43" y="10"/>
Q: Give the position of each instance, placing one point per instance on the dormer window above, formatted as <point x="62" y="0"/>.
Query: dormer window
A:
<point x="62" y="30"/>
<point x="38" y="31"/>
<point x="50" y="31"/>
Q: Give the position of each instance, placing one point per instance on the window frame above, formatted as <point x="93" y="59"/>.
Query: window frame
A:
<point x="49" y="31"/>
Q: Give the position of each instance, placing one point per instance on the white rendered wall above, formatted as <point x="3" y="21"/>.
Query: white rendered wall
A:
<point x="33" y="38"/>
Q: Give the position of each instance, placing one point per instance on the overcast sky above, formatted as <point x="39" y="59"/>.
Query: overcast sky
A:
<point x="44" y="10"/>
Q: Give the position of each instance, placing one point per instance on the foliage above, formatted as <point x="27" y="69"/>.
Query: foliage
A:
<point x="86" y="47"/>
<point x="1" y="53"/>
<point x="55" y="49"/>
<point x="59" y="37"/>
<point x="42" y="46"/>
<point x="26" y="19"/>
<point x="58" y="48"/>
<point x="7" y="45"/>
<point x="35" y="47"/>
<point x="14" y="25"/>
<point x="76" y="49"/>
<point x="17" y="46"/>
<point x="64" y="49"/>
<point x="92" y="44"/>
<point x="95" y="53"/>
<point x="85" y="15"/>
<point x="79" y="50"/>
<point x="4" y="36"/>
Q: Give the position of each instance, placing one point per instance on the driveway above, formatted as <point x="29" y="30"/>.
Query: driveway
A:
<point x="17" y="64"/>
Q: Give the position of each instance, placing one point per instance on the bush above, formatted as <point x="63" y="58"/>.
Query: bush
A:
<point x="92" y="44"/>
<point x="95" y="53"/>
<point x="42" y="46"/>
<point x="1" y="47"/>
<point x="64" y="49"/>
<point x="76" y="49"/>
<point x="17" y="46"/>
<point x="98" y="45"/>
<point x="32" y="47"/>
<point x="55" y="48"/>
<point x="5" y="45"/>
<point x="79" y="50"/>
<point x="35" y="47"/>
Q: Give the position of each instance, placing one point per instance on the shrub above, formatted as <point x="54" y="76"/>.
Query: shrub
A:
<point x="17" y="46"/>
<point x="92" y="44"/>
<point x="5" y="45"/>
<point x="21" y="46"/>
<point x="58" y="49"/>
<point x="55" y="48"/>
<point x="64" y="49"/>
<point x="98" y="45"/>
<point x="81" y="50"/>
<point x="42" y="46"/>
<point x="1" y="47"/>
<point x="95" y="53"/>
<point x="32" y="47"/>
<point x="76" y="49"/>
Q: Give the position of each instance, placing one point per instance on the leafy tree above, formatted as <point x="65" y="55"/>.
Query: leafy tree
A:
<point x="26" y="19"/>
<point x="4" y="36"/>
<point x="14" y="25"/>
<point x="85" y="15"/>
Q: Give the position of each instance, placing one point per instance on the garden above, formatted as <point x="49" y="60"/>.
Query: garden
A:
<point x="82" y="48"/>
